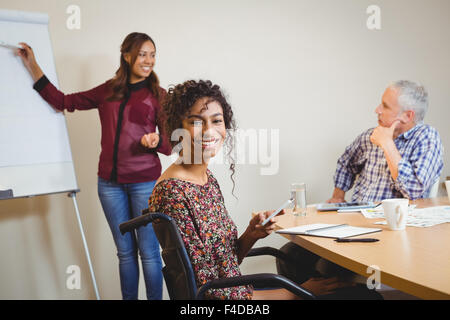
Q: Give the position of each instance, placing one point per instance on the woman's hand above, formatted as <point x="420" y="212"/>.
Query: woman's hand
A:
<point x="29" y="61"/>
<point x="150" y="140"/>
<point x="324" y="286"/>
<point x="254" y="232"/>
<point x="258" y="231"/>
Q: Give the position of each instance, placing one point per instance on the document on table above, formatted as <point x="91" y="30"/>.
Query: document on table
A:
<point x="426" y="217"/>
<point x="328" y="230"/>
<point x="376" y="213"/>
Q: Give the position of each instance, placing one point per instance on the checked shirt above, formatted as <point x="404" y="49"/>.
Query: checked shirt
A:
<point x="364" y="166"/>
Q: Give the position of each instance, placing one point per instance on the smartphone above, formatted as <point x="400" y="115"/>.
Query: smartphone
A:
<point x="277" y="211"/>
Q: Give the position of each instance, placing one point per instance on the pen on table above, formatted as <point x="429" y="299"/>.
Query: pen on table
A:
<point x="356" y="240"/>
<point x="325" y="228"/>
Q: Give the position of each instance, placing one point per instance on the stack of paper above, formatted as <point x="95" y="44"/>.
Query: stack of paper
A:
<point x="378" y="212"/>
<point x="426" y="217"/>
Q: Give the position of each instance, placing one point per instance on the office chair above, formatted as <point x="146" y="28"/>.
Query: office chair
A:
<point x="179" y="275"/>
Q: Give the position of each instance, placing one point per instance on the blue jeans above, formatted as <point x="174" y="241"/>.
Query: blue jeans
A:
<point x="122" y="202"/>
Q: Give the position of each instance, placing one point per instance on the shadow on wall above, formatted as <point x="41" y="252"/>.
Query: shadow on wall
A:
<point x="21" y="221"/>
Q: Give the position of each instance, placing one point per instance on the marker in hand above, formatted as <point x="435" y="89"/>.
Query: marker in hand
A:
<point x="9" y="46"/>
<point x="284" y="205"/>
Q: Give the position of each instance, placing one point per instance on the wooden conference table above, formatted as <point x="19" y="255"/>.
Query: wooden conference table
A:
<point x="415" y="261"/>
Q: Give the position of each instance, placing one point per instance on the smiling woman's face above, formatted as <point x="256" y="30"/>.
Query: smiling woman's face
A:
<point x="206" y="126"/>
<point x="145" y="61"/>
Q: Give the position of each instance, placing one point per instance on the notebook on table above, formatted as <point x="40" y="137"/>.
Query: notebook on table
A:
<point x="328" y="230"/>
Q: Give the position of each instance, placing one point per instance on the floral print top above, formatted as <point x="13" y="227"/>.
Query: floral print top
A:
<point x="208" y="232"/>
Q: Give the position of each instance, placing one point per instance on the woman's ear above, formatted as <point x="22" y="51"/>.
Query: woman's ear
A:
<point x="127" y="57"/>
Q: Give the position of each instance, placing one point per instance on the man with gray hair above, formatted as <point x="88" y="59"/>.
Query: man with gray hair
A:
<point x="401" y="158"/>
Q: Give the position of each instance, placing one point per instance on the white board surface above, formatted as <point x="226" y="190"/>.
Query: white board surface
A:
<point x="35" y="156"/>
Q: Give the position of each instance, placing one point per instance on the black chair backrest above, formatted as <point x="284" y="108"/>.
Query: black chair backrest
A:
<point x="178" y="273"/>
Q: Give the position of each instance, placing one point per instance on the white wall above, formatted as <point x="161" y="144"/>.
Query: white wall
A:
<point x="310" y="69"/>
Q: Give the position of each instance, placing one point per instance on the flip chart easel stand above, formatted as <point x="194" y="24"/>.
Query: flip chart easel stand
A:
<point x="86" y="249"/>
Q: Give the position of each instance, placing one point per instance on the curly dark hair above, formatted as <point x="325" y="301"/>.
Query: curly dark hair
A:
<point x="179" y="100"/>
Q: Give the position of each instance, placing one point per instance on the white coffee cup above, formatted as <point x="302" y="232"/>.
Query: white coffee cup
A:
<point x="396" y="213"/>
<point x="447" y="186"/>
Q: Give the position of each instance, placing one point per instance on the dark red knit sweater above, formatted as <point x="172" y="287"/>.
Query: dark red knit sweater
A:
<point x="122" y="159"/>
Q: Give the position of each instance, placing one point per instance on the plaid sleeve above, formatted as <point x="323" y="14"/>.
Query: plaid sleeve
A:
<point x="423" y="166"/>
<point x="351" y="162"/>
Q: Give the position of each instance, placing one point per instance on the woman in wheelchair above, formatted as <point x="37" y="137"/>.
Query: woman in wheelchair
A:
<point x="198" y="114"/>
